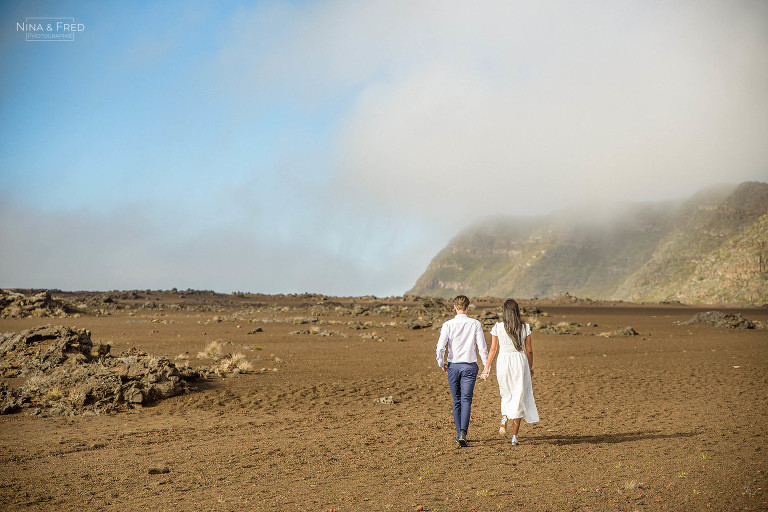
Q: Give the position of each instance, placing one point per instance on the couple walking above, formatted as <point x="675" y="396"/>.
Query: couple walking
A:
<point x="511" y="340"/>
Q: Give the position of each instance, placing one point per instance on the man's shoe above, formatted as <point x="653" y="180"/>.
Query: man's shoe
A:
<point x="462" y="439"/>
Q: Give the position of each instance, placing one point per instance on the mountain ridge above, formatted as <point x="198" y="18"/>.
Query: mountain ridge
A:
<point x="710" y="247"/>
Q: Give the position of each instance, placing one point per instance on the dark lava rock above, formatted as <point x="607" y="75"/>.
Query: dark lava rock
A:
<point x="720" y="319"/>
<point x="67" y="374"/>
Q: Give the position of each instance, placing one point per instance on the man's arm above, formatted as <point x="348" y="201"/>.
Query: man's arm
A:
<point x="482" y="348"/>
<point x="442" y="342"/>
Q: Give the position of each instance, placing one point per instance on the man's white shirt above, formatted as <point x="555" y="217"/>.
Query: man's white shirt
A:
<point x="458" y="337"/>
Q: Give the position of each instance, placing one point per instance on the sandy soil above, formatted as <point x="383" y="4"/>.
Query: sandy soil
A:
<point x="673" y="419"/>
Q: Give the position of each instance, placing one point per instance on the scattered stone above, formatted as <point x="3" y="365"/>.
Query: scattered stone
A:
<point x="258" y="329"/>
<point x="488" y="318"/>
<point x="418" y="324"/>
<point x="371" y="336"/>
<point x="720" y="319"/>
<point x="305" y="320"/>
<point x="624" y="331"/>
<point x="562" y="328"/>
<point x="385" y="400"/>
<point x="158" y="471"/>
<point x="317" y="332"/>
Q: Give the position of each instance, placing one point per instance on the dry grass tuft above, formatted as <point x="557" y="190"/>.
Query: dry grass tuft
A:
<point x="236" y="362"/>
<point x="630" y="485"/>
<point x="212" y="351"/>
<point x="53" y="393"/>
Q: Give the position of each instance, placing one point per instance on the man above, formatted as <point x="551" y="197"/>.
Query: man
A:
<point x="459" y="336"/>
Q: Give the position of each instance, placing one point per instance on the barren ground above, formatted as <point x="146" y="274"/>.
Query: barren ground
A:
<point x="673" y="419"/>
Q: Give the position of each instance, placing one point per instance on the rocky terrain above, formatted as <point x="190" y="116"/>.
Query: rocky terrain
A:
<point x="65" y="373"/>
<point x="306" y="402"/>
<point x="19" y="305"/>
<point x="711" y="248"/>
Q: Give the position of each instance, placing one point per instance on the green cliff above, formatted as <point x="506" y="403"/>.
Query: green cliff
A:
<point x="709" y="248"/>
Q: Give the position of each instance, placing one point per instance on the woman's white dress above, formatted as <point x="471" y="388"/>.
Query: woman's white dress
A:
<point x="514" y="376"/>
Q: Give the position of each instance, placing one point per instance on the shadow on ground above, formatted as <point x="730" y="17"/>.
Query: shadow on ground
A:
<point x="562" y="440"/>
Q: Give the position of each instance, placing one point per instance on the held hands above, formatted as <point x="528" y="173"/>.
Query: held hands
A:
<point x="484" y="375"/>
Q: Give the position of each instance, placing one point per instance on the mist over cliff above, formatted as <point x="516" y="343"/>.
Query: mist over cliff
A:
<point x="709" y="248"/>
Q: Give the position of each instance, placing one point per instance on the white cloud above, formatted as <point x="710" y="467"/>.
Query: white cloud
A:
<point x="606" y="108"/>
<point x="544" y="100"/>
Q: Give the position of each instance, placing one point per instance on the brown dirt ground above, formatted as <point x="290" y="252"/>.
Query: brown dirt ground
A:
<point x="674" y="419"/>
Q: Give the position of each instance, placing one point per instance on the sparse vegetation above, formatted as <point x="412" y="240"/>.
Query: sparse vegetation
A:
<point x="236" y="362"/>
<point x="211" y="351"/>
<point x="53" y="393"/>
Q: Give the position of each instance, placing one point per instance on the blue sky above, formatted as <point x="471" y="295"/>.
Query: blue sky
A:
<point x="337" y="146"/>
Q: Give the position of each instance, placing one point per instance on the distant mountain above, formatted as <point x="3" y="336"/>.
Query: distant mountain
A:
<point x="710" y="248"/>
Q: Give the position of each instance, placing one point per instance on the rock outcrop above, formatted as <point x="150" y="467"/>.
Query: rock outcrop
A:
<point x="64" y="372"/>
<point x="18" y="305"/>
<point x="720" y="319"/>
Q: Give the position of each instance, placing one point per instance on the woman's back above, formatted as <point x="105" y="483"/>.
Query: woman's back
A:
<point x="506" y="343"/>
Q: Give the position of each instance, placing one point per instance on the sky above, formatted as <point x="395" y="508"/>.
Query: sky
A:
<point x="337" y="146"/>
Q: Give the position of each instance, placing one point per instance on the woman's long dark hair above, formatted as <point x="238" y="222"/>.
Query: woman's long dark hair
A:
<point x="513" y="322"/>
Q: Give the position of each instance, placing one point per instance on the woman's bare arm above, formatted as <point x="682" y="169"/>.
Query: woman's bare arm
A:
<point x="491" y="354"/>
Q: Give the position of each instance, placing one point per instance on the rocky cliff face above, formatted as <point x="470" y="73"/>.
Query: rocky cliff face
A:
<point x="708" y="248"/>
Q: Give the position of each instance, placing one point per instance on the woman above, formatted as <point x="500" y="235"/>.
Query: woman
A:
<point x="511" y="340"/>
